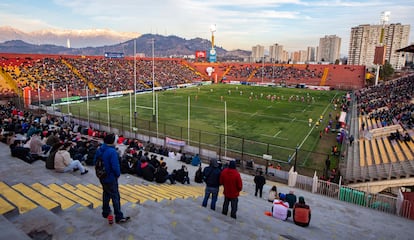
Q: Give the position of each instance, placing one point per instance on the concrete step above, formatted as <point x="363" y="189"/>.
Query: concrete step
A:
<point x="10" y="231"/>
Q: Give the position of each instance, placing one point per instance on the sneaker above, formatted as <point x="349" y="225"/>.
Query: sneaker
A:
<point x="123" y="220"/>
<point x="75" y="169"/>
<point x="110" y="219"/>
<point x="85" y="172"/>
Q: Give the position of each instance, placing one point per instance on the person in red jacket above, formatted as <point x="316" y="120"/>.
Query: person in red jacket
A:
<point x="232" y="183"/>
<point x="301" y="213"/>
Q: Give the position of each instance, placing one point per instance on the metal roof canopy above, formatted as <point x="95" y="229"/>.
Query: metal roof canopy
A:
<point x="409" y="48"/>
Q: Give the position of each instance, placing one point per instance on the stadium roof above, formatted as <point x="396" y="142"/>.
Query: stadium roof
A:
<point x="409" y="48"/>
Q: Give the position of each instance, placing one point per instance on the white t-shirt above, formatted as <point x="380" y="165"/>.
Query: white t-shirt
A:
<point x="280" y="209"/>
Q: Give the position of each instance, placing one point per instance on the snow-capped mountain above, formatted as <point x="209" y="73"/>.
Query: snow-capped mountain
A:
<point x="67" y="38"/>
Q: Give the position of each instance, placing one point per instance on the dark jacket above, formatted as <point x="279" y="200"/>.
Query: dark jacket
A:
<point x="291" y="199"/>
<point x="161" y="175"/>
<point x="111" y="162"/>
<point x="211" y="176"/>
<point x="260" y="180"/>
<point x="147" y="171"/>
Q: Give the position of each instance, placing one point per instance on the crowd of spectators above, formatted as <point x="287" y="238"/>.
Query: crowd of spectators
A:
<point x="76" y="73"/>
<point x="41" y="137"/>
<point x="390" y="102"/>
<point x="273" y="73"/>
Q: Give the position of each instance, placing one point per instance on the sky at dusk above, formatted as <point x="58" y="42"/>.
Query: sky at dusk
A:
<point x="240" y="24"/>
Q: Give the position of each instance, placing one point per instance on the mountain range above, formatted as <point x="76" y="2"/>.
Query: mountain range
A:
<point x="75" y="38"/>
<point x="47" y="42"/>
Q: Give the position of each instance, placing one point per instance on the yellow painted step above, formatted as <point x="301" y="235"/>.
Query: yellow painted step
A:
<point x="159" y="192"/>
<point x="98" y="194"/>
<point x="37" y="197"/>
<point x="64" y="202"/>
<point x="173" y="191"/>
<point x="390" y="151"/>
<point x="23" y="204"/>
<point x="6" y="207"/>
<point x="96" y="202"/>
<point x="99" y="190"/>
<point x="70" y="195"/>
<point x="128" y="189"/>
<point x="382" y="151"/>
<point x="184" y="191"/>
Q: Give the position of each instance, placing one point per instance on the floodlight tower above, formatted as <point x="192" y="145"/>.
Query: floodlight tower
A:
<point x="212" y="55"/>
<point x="381" y="49"/>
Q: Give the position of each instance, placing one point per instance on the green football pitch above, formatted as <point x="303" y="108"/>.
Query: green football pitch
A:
<point x="278" y="116"/>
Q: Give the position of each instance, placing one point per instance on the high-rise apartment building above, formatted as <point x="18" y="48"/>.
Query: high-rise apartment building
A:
<point x="329" y="47"/>
<point x="276" y="53"/>
<point x="299" y="56"/>
<point x="257" y="53"/>
<point x="364" y="39"/>
<point x="311" y="57"/>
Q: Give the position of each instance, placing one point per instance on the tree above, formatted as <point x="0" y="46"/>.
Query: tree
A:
<point x="386" y="71"/>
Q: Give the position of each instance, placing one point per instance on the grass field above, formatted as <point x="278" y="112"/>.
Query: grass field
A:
<point x="250" y="114"/>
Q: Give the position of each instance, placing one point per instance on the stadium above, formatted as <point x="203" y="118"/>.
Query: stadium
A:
<point x="258" y="114"/>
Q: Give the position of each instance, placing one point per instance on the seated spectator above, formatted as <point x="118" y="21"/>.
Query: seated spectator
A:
<point x="50" y="160"/>
<point x="18" y="150"/>
<point x="92" y="147"/>
<point x="36" y="145"/>
<point x="196" y="161"/>
<point x="154" y="161"/>
<point x="181" y="175"/>
<point x="301" y="213"/>
<point x="198" y="177"/>
<point x="147" y="170"/>
<point x="171" y="154"/>
<point x="182" y="158"/>
<point x="178" y="155"/>
<point x="291" y="198"/>
<point x="64" y="163"/>
<point x="272" y="194"/>
<point x="161" y="174"/>
<point x="407" y="137"/>
<point x="250" y="164"/>
<point x="280" y="208"/>
<point x="128" y="163"/>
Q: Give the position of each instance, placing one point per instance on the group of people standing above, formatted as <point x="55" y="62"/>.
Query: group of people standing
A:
<point x="229" y="177"/>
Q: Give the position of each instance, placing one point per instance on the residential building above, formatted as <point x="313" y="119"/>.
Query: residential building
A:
<point x="329" y="47"/>
<point x="311" y="56"/>
<point x="276" y="53"/>
<point x="257" y="53"/>
<point x="364" y="38"/>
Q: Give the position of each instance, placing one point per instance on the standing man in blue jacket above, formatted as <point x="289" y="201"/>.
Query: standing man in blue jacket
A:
<point x="110" y="183"/>
<point x="211" y="176"/>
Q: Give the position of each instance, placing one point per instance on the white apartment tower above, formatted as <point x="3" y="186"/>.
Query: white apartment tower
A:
<point x="311" y="57"/>
<point x="364" y="39"/>
<point x="329" y="47"/>
<point x="276" y="53"/>
<point x="257" y="53"/>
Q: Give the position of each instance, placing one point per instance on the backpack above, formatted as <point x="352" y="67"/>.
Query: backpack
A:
<point x="100" y="168"/>
<point x="50" y="160"/>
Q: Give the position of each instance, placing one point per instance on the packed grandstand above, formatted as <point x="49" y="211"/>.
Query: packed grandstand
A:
<point x="382" y="122"/>
<point x="38" y="72"/>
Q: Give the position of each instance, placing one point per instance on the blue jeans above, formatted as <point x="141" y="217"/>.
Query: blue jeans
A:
<point x="111" y="192"/>
<point x="214" y="195"/>
<point x="233" y="202"/>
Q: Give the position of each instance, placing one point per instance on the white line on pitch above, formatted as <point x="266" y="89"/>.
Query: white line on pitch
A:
<point x="277" y="133"/>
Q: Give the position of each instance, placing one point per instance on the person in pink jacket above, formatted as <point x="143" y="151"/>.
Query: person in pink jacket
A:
<point x="232" y="183"/>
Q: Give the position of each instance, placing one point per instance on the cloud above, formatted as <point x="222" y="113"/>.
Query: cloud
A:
<point x="23" y="23"/>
